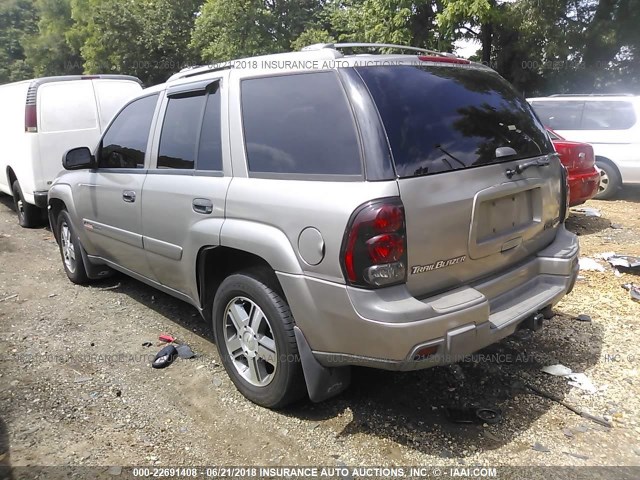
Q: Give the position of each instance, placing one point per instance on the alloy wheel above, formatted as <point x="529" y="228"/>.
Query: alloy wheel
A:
<point x="68" y="250"/>
<point x="250" y="342"/>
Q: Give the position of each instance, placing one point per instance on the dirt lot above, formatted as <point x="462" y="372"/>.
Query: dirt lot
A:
<point x="76" y="386"/>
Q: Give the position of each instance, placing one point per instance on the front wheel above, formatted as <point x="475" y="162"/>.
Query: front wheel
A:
<point x="253" y="329"/>
<point x="70" y="250"/>
<point x="610" y="181"/>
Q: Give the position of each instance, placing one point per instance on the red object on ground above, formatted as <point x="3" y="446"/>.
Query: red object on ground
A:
<point x="166" y="338"/>
<point x="579" y="160"/>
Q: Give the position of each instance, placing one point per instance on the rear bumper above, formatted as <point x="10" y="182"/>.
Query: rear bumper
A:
<point x="385" y="328"/>
<point x="583" y="186"/>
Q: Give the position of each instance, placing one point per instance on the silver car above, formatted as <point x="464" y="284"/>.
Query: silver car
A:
<point x="325" y="210"/>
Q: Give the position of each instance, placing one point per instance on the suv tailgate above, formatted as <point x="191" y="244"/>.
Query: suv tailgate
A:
<point x="454" y="132"/>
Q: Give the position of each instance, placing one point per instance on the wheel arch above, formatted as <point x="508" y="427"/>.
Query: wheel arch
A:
<point x="60" y="198"/>
<point x="608" y="161"/>
<point x="215" y="263"/>
<point x="11" y="176"/>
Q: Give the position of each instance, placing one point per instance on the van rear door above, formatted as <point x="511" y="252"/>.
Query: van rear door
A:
<point x="67" y="118"/>
<point x="456" y="134"/>
<point x="111" y="96"/>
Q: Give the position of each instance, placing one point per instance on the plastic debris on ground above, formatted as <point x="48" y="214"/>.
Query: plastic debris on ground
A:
<point x="623" y="262"/>
<point x="589" y="264"/>
<point x="166" y="338"/>
<point x="588" y="211"/>
<point x="165" y="357"/>
<point x="185" y="352"/>
<point x="634" y="291"/>
<point x="578" y="380"/>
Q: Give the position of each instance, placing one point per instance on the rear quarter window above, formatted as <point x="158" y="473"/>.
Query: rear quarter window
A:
<point x="608" y="115"/>
<point x="440" y="119"/>
<point x="299" y="124"/>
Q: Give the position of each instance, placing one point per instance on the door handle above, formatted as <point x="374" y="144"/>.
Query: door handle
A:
<point x="202" y="205"/>
<point x="129" y="196"/>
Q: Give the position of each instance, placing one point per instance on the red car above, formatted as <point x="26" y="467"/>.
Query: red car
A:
<point x="579" y="160"/>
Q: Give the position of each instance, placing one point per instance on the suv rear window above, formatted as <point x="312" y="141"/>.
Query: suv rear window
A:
<point x="299" y="124"/>
<point x="440" y="119"/>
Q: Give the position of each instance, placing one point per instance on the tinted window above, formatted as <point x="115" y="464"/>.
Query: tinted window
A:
<point x="125" y="143"/>
<point x="179" y="137"/>
<point x="210" y="151"/>
<point x="608" y="115"/>
<point x="299" y="124"/>
<point x="446" y="118"/>
<point x="559" y="115"/>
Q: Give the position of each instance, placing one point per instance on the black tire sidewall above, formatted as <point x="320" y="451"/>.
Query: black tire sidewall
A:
<point x="286" y="384"/>
<point x="80" y="274"/>
<point x="31" y="215"/>
<point x="614" y="181"/>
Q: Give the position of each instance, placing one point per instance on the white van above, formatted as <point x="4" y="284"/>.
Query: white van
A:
<point x="611" y="123"/>
<point x="43" y="118"/>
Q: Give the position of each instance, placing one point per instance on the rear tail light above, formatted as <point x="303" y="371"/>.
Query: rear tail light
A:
<point x="30" y="110"/>
<point x="30" y="118"/>
<point x="585" y="158"/>
<point x="374" y="249"/>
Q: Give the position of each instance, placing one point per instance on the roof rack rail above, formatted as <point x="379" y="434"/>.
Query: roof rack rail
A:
<point x="592" y="95"/>
<point x="200" y="70"/>
<point x="338" y="46"/>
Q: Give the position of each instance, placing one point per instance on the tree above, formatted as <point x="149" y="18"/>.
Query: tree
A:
<point x="228" y="29"/>
<point x="17" y="20"/>
<point x="146" y="38"/>
<point x="47" y="49"/>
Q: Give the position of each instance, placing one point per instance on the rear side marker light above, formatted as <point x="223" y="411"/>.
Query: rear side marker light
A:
<point x="425" y="352"/>
<point x="374" y="252"/>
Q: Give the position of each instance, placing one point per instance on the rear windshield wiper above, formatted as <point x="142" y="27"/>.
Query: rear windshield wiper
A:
<point x="540" y="162"/>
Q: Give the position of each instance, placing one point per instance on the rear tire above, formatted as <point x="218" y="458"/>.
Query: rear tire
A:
<point x="29" y="216"/>
<point x="610" y="181"/>
<point x="253" y="329"/>
<point x="70" y="250"/>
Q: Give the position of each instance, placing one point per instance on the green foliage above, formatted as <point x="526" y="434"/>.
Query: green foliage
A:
<point x="17" y="21"/>
<point x="541" y="46"/>
<point x="47" y="49"/>
<point x="146" y="38"/>
<point x="228" y="29"/>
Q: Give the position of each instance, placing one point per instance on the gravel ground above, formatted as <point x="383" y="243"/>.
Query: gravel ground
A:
<point x="76" y="387"/>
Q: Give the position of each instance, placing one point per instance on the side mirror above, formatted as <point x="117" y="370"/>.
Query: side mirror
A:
<point x="78" y="159"/>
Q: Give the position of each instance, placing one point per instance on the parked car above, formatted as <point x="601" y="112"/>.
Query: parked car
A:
<point x="610" y="123"/>
<point x="42" y="119"/>
<point x="324" y="211"/>
<point x="579" y="160"/>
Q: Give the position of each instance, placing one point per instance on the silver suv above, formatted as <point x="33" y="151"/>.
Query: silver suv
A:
<point x="325" y="210"/>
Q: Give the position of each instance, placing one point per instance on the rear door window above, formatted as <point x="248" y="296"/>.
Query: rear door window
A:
<point x="440" y="119"/>
<point x="560" y="115"/>
<point x="180" y="129"/>
<point x="65" y="106"/>
<point x="608" y="115"/>
<point x="299" y="124"/>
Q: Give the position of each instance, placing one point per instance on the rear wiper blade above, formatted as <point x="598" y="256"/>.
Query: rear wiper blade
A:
<point x="540" y="162"/>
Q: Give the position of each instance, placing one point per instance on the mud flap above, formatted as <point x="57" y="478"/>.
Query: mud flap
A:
<point x="94" y="272"/>
<point x="322" y="382"/>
